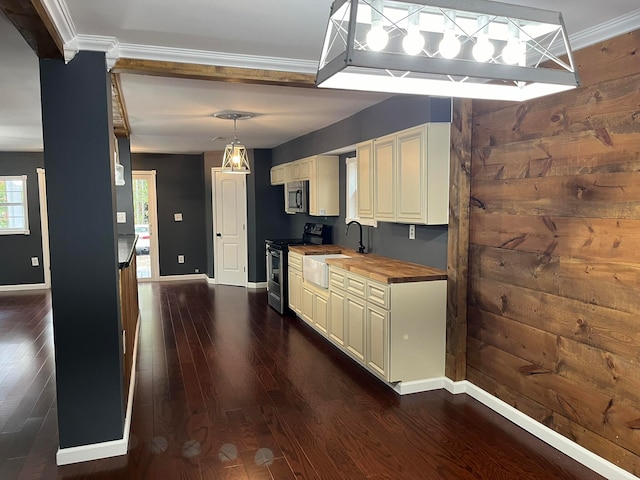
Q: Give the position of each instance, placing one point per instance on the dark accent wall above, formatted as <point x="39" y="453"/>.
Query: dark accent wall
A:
<point x="78" y="158"/>
<point x="17" y="250"/>
<point x="388" y="239"/>
<point x="266" y="217"/>
<point x="124" y="193"/>
<point x="391" y="115"/>
<point x="180" y="188"/>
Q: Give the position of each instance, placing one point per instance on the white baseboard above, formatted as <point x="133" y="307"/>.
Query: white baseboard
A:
<point x="416" y="386"/>
<point x="211" y="281"/>
<point x="181" y="278"/>
<point x="25" y="286"/>
<point x="113" y="448"/>
<point x="563" y="444"/>
<point x="256" y="285"/>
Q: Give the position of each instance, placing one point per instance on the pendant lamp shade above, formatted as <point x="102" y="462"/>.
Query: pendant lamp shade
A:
<point x="235" y="159"/>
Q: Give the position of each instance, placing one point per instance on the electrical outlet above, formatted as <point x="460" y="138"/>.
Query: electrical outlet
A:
<point x="197" y="270"/>
<point x="180" y="258"/>
<point x="412" y="232"/>
<point x="35" y="262"/>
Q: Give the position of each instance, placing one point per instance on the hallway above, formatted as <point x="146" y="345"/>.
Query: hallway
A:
<point x="229" y="389"/>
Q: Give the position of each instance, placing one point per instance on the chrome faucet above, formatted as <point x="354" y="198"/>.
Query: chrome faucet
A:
<point x="361" y="248"/>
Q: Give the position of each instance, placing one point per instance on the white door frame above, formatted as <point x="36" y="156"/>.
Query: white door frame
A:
<point x="153" y="223"/>
<point x="44" y="226"/>
<point x="216" y="263"/>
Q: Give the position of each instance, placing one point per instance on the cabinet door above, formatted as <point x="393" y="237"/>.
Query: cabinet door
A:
<point x="411" y="194"/>
<point x="313" y="187"/>
<point x="384" y="153"/>
<point x="295" y="289"/>
<point x="336" y="316"/>
<point x="377" y="346"/>
<point x="306" y="305"/>
<point x="355" y="313"/>
<point x="277" y="175"/>
<point x="364" y="156"/>
<point x="320" y="313"/>
<point x="302" y="169"/>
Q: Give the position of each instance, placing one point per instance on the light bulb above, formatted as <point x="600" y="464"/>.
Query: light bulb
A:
<point x="413" y="42"/>
<point x="377" y="37"/>
<point x="483" y="49"/>
<point x="449" y="45"/>
<point x="514" y="52"/>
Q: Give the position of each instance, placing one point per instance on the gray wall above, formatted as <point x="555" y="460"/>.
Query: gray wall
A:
<point x="180" y="188"/>
<point x="124" y="193"/>
<point x="388" y="239"/>
<point x="17" y="250"/>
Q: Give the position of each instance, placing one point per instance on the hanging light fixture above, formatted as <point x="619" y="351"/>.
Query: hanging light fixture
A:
<point x="452" y="48"/>
<point x="235" y="159"/>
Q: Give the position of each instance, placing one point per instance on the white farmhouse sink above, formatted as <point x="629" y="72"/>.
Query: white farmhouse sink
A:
<point x="316" y="270"/>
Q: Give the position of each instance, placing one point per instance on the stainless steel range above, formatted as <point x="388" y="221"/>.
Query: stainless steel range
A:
<point x="277" y="267"/>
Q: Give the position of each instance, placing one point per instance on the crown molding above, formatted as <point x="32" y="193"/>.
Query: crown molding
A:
<point x="61" y="18"/>
<point x="604" y="31"/>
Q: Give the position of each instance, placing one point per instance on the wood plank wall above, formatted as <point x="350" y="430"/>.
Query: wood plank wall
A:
<point x="458" y="246"/>
<point x="554" y="255"/>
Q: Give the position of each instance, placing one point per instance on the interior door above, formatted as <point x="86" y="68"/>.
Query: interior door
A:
<point x="145" y="224"/>
<point x="230" y="232"/>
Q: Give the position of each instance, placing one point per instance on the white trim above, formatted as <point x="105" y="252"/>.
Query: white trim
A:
<point x="211" y="281"/>
<point x="544" y="433"/>
<point x="180" y="278"/>
<point x="44" y="226"/>
<point x="99" y="43"/>
<point x="610" y="29"/>
<point x="24" y="286"/>
<point x="256" y="285"/>
<point x="416" y="386"/>
<point x="61" y="18"/>
<point x="113" y="448"/>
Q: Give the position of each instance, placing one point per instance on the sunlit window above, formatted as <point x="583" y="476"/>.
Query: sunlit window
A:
<point x="14" y="217"/>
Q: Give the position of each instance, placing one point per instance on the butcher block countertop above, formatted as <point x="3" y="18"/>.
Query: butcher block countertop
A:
<point x="376" y="267"/>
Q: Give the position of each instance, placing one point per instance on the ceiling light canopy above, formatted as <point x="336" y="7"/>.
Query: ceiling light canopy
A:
<point x="451" y="48"/>
<point x="235" y="159"/>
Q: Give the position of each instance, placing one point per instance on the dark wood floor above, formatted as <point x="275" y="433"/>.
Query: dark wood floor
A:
<point x="228" y="389"/>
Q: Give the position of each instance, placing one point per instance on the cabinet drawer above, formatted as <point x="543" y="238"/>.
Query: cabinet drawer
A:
<point x="378" y="294"/>
<point x="295" y="260"/>
<point x="356" y="285"/>
<point x="337" y="278"/>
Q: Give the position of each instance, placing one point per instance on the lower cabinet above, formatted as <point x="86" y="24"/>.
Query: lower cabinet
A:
<point x="396" y="331"/>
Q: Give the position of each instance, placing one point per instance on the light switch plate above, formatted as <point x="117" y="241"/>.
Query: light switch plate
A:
<point x="412" y="232"/>
<point x="180" y="258"/>
<point x="35" y="261"/>
<point x="177" y="217"/>
<point x="121" y="217"/>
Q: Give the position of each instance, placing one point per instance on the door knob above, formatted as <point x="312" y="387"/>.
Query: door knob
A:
<point x="218" y="234"/>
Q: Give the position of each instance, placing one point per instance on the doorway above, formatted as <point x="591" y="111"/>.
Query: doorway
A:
<point x="229" y="227"/>
<point x="146" y="224"/>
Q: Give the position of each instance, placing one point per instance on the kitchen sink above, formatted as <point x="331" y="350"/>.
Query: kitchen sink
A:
<point x="316" y="270"/>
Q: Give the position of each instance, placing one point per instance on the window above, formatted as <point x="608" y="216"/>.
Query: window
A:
<point x="13" y="205"/>
<point x="352" y="194"/>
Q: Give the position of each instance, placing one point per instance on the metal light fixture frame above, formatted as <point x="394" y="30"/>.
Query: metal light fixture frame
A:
<point x="347" y="63"/>
<point x="235" y="159"/>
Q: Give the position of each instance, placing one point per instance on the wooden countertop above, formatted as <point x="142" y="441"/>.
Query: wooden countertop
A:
<point x="376" y="267"/>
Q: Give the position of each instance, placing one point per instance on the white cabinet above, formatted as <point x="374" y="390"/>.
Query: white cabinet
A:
<point x="377" y="347"/>
<point x="324" y="198"/>
<point x="355" y="317"/>
<point x="321" y="312"/>
<point x="337" y="302"/>
<point x="295" y="282"/>
<point x="364" y="159"/>
<point x="384" y="179"/>
<point x="306" y="304"/>
<point x="410" y="175"/>
<point x="278" y="175"/>
<point x="321" y="171"/>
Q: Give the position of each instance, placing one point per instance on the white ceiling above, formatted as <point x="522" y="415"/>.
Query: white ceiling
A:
<point x="175" y="115"/>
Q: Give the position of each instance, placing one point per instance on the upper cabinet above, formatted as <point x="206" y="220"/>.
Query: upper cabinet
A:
<point x="410" y="175"/>
<point x="324" y="198"/>
<point x="278" y="175"/>
<point x="321" y="171"/>
<point x="364" y="159"/>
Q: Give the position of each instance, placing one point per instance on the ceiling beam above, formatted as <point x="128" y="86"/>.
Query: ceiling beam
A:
<point x="32" y="21"/>
<point x="121" y="127"/>
<point x="214" y="73"/>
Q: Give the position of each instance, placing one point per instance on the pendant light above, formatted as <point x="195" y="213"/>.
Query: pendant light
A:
<point x="235" y="158"/>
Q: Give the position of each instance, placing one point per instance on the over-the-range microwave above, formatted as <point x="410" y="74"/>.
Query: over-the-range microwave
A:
<point x="296" y="197"/>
